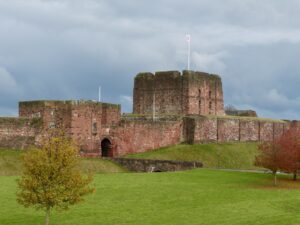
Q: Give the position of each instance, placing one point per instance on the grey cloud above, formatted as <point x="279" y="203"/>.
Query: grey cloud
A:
<point x="8" y="84"/>
<point x="67" y="48"/>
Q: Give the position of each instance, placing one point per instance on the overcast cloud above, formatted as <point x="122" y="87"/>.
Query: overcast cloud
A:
<point x="65" y="49"/>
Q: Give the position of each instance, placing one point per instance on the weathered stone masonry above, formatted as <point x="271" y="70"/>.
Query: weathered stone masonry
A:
<point x="19" y="133"/>
<point x="188" y="108"/>
<point x="171" y="92"/>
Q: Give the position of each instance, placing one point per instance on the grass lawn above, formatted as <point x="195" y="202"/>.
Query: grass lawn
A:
<point x="197" y="197"/>
<point x="214" y="155"/>
<point x="10" y="164"/>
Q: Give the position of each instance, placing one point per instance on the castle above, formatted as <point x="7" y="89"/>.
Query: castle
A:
<point x="168" y="108"/>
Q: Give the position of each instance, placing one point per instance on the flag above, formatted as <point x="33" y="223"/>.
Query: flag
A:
<point x="188" y="38"/>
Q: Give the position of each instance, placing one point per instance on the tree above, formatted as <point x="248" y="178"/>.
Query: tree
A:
<point x="230" y="108"/>
<point x="289" y="143"/>
<point x="283" y="153"/>
<point x="270" y="157"/>
<point x="52" y="178"/>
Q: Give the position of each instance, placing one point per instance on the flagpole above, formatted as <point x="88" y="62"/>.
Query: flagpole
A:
<point x="153" y="107"/>
<point x="188" y="39"/>
<point x="99" y="94"/>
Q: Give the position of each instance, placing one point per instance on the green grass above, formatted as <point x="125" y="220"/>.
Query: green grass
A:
<point x="10" y="164"/>
<point x="216" y="155"/>
<point x="197" y="197"/>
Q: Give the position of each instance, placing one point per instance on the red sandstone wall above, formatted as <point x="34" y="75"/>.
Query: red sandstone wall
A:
<point x="89" y="123"/>
<point x="278" y="129"/>
<point x="111" y="114"/>
<point x="249" y="130"/>
<point x="206" y="130"/>
<point x="168" y="92"/>
<point x="164" y="89"/>
<point x="53" y="113"/>
<point x="83" y="118"/>
<point x="191" y="92"/>
<point x="19" y="133"/>
<point x="266" y="131"/>
<point x="209" y="129"/>
<point x="204" y="94"/>
<point x="143" y="93"/>
<point x="141" y="136"/>
<point x="228" y="130"/>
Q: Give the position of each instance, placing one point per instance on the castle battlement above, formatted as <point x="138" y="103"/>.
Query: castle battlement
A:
<point x="173" y="92"/>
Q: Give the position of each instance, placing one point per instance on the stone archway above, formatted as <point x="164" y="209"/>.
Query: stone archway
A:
<point x="106" y="148"/>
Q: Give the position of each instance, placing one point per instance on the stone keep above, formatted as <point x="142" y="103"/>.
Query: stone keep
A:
<point x="172" y="92"/>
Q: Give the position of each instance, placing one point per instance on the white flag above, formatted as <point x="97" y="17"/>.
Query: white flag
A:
<point x="188" y="38"/>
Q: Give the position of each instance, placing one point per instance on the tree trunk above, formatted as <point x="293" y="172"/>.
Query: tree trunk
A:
<point x="47" y="216"/>
<point x="295" y="176"/>
<point x="275" y="178"/>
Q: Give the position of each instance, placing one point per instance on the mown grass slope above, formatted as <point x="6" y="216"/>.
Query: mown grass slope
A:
<point x="214" y="155"/>
<point x="10" y="164"/>
<point x="197" y="197"/>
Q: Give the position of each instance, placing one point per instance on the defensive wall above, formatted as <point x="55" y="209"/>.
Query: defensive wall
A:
<point x="132" y="134"/>
<point x="188" y="110"/>
<point x="140" y="135"/>
<point x="233" y="129"/>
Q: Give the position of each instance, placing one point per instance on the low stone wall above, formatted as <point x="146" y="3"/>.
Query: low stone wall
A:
<point x="149" y="165"/>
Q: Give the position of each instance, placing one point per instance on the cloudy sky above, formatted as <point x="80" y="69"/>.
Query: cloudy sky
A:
<point x="65" y="49"/>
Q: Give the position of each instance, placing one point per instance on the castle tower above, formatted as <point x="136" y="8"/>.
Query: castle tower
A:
<point x="172" y="92"/>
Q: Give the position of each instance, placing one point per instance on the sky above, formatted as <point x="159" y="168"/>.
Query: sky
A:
<point x="66" y="49"/>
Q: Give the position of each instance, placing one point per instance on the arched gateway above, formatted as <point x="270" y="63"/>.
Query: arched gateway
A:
<point x="106" y="148"/>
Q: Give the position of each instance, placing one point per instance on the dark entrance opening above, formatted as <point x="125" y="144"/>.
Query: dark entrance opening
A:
<point x="106" y="148"/>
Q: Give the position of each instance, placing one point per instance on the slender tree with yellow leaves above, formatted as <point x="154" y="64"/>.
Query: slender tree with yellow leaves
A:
<point x="51" y="177"/>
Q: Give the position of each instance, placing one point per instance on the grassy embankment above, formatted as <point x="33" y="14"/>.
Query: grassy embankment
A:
<point x="217" y="155"/>
<point x="213" y="155"/>
<point x="197" y="197"/>
<point x="10" y="164"/>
